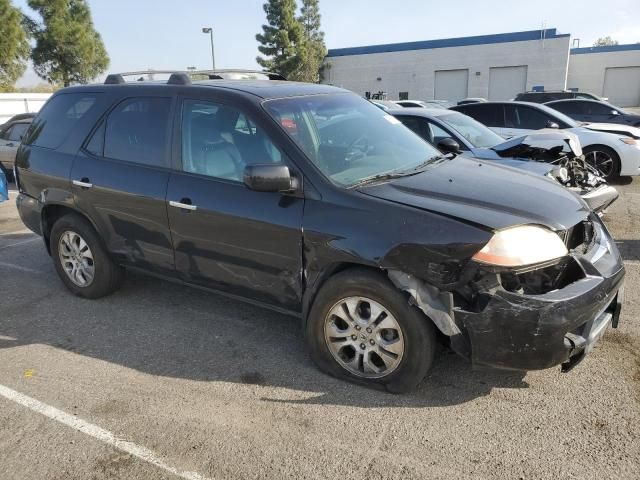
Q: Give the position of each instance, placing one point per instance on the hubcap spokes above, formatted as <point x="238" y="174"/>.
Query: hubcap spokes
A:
<point x="76" y="259"/>
<point x="364" y="337"/>
<point x="601" y="161"/>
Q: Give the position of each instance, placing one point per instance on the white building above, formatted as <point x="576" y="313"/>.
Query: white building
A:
<point x="496" y="67"/>
<point x="13" y="103"/>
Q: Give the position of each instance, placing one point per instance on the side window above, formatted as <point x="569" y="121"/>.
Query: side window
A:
<point x="137" y="131"/>
<point x="220" y="141"/>
<point x="530" y="118"/>
<point x="415" y="124"/>
<point x="598" y="109"/>
<point x="569" y="107"/>
<point x="58" y="118"/>
<point x="490" y="115"/>
<point x="17" y="131"/>
<point x="96" y="144"/>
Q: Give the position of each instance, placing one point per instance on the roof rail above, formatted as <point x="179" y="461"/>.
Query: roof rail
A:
<point x="180" y="77"/>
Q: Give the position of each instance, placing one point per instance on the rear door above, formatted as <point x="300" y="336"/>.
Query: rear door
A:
<point x="226" y="236"/>
<point x="120" y="180"/>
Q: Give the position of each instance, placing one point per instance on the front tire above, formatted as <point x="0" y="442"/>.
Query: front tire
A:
<point x="363" y="329"/>
<point x="82" y="262"/>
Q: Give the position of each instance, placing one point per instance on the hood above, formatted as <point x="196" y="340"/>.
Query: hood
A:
<point x="486" y="194"/>
<point x="627" y="130"/>
<point x="539" y="168"/>
<point x="544" y="145"/>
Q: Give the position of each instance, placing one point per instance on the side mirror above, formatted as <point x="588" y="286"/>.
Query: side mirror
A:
<point x="551" y="124"/>
<point x="268" y="178"/>
<point x="448" y="145"/>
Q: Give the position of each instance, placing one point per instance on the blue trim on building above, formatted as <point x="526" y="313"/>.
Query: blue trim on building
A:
<point x="549" y="33"/>
<point x="607" y="48"/>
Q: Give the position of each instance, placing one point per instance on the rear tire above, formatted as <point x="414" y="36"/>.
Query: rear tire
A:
<point x="82" y="262"/>
<point x="604" y="159"/>
<point x="379" y="340"/>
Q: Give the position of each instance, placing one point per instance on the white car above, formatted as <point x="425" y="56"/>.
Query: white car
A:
<point x="612" y="154"/>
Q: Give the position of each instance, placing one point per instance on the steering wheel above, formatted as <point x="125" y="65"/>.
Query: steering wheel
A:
<point x="357" y="149"/>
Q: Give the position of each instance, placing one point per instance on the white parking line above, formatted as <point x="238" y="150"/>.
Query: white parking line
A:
<point x="19" y="267"/>
<point x="96" y="432"/>
<point x="20" y="243"/>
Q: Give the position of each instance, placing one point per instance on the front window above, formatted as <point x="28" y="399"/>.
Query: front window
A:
<point x="476" y="133"/>
<point x="350" y="140"/>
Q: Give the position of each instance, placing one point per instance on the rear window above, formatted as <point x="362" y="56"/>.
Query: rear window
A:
<point x="58" y="118"/>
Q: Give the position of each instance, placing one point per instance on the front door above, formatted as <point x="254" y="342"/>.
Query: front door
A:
<point x="120" y="180"/>
<point x="226" y="236"/>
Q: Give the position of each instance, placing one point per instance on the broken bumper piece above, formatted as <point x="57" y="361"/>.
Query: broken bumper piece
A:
<point x="600" y="198"/>
<point x="520" y="331"/>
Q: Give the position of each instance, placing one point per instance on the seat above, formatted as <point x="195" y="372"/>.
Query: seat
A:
<point x="211" y="154"/>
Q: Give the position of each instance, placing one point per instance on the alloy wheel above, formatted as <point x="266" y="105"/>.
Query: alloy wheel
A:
<point x="76" y="259"/>
<point x="364" y="337"/>
<point x="601" y="161"/>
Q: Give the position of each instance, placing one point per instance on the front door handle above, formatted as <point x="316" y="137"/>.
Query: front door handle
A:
<point x="185" y="204"/>
<point x="83" y="183"/>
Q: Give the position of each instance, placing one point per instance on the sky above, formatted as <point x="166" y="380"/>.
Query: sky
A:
<point x="167" y="34"/>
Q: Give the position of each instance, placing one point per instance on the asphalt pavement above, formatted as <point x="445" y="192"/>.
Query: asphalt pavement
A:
<point x="162" y="381"/>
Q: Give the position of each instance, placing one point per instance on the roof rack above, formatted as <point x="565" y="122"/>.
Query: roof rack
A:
<point x="183" y="77"/>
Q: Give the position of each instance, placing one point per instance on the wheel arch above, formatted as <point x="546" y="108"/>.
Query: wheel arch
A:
<point x="51" y="213"/>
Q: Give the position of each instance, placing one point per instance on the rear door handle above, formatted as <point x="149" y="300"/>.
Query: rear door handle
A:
<point x="84" y="183"/>
<point x="183" y="204"/>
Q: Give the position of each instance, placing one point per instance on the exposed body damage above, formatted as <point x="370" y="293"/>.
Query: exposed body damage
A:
<point x="570" y="169"/>
<point x="529" y="318"/>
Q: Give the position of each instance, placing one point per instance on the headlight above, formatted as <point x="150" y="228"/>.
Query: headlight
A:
<point x="520" y="246"/>
<point x="629" y="140"/>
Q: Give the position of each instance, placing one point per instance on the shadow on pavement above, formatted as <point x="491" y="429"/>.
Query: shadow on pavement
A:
<point x="165" y="329"/>
<point x="629" y="249"/>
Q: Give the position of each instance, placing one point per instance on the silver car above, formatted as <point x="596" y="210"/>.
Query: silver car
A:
<point x="11" y="134"/>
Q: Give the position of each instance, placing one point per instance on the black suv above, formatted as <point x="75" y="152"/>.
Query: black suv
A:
<point x="312" y="201"/>
<point x="550" y="95"/>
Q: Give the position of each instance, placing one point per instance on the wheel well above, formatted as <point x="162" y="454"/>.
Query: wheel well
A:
<point x="50" y="215"/>
<point x="311" y="293"/>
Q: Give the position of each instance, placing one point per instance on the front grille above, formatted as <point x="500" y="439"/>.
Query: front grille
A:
<point x="579" y="237"/>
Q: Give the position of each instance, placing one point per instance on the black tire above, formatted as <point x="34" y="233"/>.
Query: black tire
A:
<point x="417" y="330"/>
<point x="615" y="171"/>
<point x="108" y="275"/>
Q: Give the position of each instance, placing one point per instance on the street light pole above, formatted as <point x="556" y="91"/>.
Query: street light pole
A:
<point x="209" y="30"/>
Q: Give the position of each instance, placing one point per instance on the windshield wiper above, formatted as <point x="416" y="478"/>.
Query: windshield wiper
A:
<point x="403" y="173"/>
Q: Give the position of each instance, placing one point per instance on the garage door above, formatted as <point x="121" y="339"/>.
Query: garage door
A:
<point x="506" y="82"/>
<point x="451" y="85"/>
<point x="622" y="86"/>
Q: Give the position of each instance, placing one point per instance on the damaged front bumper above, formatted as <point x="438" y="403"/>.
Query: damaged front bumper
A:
<point x="509" y="328"/>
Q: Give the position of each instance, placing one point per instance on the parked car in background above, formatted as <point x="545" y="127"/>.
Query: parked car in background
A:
<point x="553" y="153"/>
<point x="11" y="134"/>
<point x="467" y="101"/>
<point x="425" y="103"/>
<point x="611" y="154"/>
<point x="310" y="200"/>
<point x="594" y="111"/>
<point x="384" y="104"/>
<point x="549" y="95"/>
<point x="4" y="188"/>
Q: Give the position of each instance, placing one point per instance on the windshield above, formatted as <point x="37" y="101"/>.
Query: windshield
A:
<point x="476" y="133"/>
<point x="349" y="139"/>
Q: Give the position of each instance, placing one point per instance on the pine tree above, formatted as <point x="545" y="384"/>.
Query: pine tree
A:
<point x="14" y="46"/>
<point x="68" y="48"/>
<point x="313" y="49"/>
<point x="281" y="38"/>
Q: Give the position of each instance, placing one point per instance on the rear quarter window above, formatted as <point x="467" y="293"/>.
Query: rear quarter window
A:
<point x="58" y="118"/>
